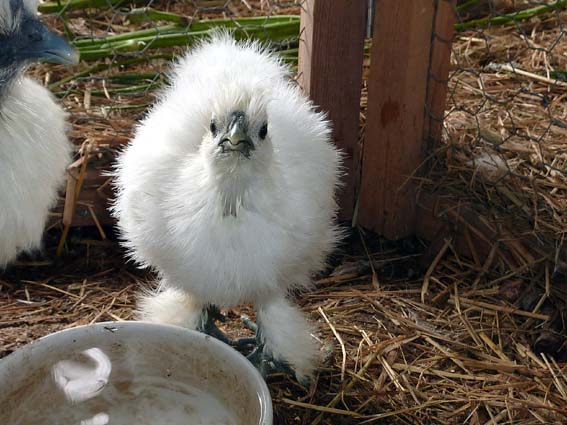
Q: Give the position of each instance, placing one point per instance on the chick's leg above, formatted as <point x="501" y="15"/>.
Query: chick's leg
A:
<point x="172" y="306"/>
<point x="207" y="323"/>
<point x="285" y="339"/>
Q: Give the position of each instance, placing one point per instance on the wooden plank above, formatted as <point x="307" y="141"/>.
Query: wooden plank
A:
<point x="95" y="193"/>
<point x="99" y="202"/>
<point x="394" y="145"/>
<point x="330" y="71"/>
<point x="440" y="64"/>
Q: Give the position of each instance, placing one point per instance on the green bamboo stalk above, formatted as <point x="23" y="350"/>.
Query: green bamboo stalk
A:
<point x="467" y="5"/>
<point x="124" y="107"/>
<point x="272" y="31"/>
<point x="512" y="17"/>
<point x="97" y="42"/>
<point x="102" y="66"/>
<point x="148" y="14"/>
<point x="69" y="5"/>
<point x="134" y="78"/>
<point x="139" y="89"/>
<point x="195" y="27"/>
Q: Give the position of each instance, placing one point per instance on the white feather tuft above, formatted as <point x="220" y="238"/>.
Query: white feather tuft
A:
<point x="287" y="336"/>
<point x="170" y="306"/>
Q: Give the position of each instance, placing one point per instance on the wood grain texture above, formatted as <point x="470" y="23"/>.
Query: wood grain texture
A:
<point x="394" y="146"/>
<point x="440" y="63"/>
<point x="330" y="73"/>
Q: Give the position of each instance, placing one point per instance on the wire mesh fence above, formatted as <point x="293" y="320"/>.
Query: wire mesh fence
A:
<point x="126" y="49"/>
<point x="503" y="146"/>
<point x="503" y="129"/>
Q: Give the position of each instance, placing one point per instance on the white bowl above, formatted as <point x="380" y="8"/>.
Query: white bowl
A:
<point x="131" y="373"/>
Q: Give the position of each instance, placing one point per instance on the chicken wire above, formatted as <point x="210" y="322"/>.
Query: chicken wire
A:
<point x="504" y="124"/>
<point x="118" y="38"/>
<point x="504" y="140"/>
<point x="126" y="48"/>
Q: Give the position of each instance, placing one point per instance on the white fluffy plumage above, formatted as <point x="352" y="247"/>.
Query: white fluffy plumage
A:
<point x="222" y="226"/>
<point x="34" y="152"/>
<point x="34" y="149"/>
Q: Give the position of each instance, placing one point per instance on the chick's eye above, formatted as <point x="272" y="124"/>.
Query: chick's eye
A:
<point x="213" y="128"/>
<point x="263" y="131"/>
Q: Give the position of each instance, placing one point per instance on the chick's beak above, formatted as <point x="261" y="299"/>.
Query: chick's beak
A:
<point x="42" y="44"/>
<point x="236" y="139"/>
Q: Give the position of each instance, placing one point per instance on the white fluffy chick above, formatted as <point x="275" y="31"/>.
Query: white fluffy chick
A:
<point x="227" y="191"/>
<point x="34" y="150"/>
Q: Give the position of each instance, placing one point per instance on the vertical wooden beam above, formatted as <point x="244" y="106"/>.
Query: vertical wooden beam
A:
<point x="440" y="63"/>
<point x="330" y="71"/>
<point x="394" y="145"/>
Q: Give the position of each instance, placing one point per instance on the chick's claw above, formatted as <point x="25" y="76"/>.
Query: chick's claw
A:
<point x="208" y="324"/>
<point x="243" y="343"/>
<point x="266" y="364"/>
<point x="262" y="360"/>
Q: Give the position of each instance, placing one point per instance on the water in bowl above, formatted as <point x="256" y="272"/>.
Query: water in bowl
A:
<point x="88" y="389"/>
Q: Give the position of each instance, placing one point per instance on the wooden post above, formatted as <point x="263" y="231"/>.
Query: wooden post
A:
<point x="445" y="19"/>
<point x="395" y="145"/>
<point x="330" y="71"/>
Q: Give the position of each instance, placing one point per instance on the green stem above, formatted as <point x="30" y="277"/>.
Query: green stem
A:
<point x="148" y="14"/>
<point x="140" y="89"/>
<point x="512" y="17"/>
<point x="103" y="66"/>
<point x="195" y="27"/>
<point x="97" y="42"/>
<point x="272" y="31"/>
<point x="467" y="5"/>
<point x="134" y="78"/>
<point x="124" y="107"/>
<point x="69" y="5"/>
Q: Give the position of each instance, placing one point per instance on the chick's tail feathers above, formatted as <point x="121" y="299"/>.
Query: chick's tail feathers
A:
<point x="171" y="306"/>
<point x="287" y="337"/>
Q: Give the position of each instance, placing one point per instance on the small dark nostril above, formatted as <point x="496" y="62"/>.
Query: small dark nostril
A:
<point x="34" y="36"/>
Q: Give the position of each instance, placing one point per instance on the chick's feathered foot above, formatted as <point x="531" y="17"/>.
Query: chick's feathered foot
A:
<point x="286" y="337"/>
<point x="282" y="341"/>
<point x="260" y="357"/>
<point x="266" y="364"/>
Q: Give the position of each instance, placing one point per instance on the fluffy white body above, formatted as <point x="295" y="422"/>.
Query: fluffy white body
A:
<point x="226" y="228"/>
<point x="34" y="152"/>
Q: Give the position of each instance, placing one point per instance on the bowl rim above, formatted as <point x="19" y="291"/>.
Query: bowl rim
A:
<point x="265" y="399"/>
